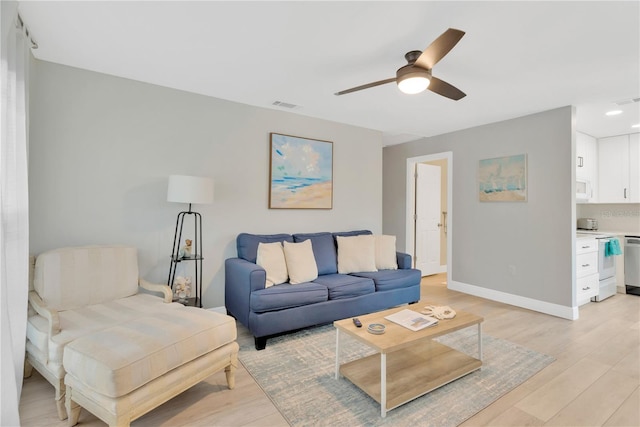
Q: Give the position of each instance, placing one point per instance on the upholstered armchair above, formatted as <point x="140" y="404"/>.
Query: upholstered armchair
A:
<point x="81" y="290"/>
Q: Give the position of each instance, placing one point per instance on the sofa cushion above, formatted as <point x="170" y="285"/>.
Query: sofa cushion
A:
<point x="69" y="278"/>
<point x="335" y="234"/>
<point x="271" y="258"/>
<point x="117" y="360"/>
<point x="386" y="252"/>
<point x="324" y="250"/>
<point x="247" y="244"/>
<point x="356" y="254"/>
<point x="287" y="296"/>
<point x="346" y="286"/>
<point x="387" y="280"/>
<point x="351" y="233"/>
<point x="300" y="262"/>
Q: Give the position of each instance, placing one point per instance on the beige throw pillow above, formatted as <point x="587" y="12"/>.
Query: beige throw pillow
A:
<point x="300" y="262"/>
<point x="386" y="252"/>
<point x="271" y="258"/>
<point x="356" y="254"/>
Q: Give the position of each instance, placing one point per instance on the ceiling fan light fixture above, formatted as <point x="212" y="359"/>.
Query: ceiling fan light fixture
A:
<point x="416" y="76"/>
<point x="413" y="84"/>
<point x="412" y="80"/>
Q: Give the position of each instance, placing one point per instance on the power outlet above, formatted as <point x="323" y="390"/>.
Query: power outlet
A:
<point x="512" y="270"/>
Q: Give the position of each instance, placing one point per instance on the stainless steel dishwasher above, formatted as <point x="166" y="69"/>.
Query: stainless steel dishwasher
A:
<point x="632" y="264"/>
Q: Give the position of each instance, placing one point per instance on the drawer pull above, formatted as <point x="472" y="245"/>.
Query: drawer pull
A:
<point x="586" y="247"/>
<point x="586" y="289"/>
<point x="585" y="265"/>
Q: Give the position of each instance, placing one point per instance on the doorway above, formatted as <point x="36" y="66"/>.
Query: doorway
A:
<point x="429" y="218"/>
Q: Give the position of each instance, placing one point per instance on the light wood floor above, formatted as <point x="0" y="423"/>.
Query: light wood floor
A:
<point x="593" y="382"/>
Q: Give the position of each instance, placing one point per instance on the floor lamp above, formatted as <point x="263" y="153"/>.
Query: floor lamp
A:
<point x="191" y="190"/>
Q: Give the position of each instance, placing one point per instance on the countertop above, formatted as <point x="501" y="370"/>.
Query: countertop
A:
<point x="590" y="234"/>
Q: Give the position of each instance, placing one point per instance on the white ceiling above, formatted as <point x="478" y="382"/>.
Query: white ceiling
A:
<point x="516" y="58"/>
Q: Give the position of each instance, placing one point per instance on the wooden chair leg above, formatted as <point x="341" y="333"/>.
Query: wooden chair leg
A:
<point x="73" y="410"/>
<point x="230" y="372"/>
<point x="60" y="401"/>
<point x="28" y="368"/>
<point x="121" y="421"/>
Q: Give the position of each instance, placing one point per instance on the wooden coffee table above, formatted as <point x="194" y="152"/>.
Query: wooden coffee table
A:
<point x="407" y="364"/>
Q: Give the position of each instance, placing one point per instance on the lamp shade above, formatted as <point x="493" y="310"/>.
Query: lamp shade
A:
<point x="190" y="189"/>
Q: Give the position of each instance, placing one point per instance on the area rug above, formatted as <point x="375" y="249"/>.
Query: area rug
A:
<point x="297" y="372"/>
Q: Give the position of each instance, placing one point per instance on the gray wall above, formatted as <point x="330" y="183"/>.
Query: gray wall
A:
<point x="534" y="236"/>
<point x="103" y="147"/>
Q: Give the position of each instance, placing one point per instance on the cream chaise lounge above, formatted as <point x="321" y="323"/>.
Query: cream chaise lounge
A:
<point x="84" y="294"/>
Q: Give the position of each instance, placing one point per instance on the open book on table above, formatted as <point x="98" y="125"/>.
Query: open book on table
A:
<point x="412" y="320"/>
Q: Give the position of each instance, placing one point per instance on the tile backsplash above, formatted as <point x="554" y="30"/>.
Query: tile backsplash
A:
<point x="624" y="217"/>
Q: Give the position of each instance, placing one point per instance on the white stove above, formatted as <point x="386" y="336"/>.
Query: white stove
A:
<point x="606" y="270"/>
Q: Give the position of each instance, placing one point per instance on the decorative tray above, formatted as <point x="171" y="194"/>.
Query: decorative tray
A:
<point x="376" y="328"/>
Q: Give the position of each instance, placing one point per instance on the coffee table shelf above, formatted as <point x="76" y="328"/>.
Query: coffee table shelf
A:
<point x="410" y="373"/>
<point x="407" y="364"/>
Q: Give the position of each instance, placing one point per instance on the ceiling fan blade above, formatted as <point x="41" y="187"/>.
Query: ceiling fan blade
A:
<point x="367" y="86"/>
<point x="445" y="89"/>
<point x="439" y="48"/>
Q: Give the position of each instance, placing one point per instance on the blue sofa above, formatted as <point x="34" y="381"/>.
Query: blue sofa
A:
<point x="332" y="296"/>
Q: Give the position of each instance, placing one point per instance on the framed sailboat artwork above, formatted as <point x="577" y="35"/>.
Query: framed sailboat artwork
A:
<point x="503" y="179"/>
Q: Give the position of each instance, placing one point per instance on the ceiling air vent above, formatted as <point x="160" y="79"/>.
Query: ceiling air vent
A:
<point x="285" y="105"/>
<point x="628" y="101"/>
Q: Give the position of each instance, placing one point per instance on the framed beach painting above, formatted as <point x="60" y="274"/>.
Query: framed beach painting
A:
<point x="301" y="173"/>
<point x="503" y="179"/>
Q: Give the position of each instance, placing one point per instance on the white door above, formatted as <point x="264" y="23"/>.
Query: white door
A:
<point x="427" y="219"/>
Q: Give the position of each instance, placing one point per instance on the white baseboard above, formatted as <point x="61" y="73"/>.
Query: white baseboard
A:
<point x="439" y="270"/>
<point x="562" y="311"/>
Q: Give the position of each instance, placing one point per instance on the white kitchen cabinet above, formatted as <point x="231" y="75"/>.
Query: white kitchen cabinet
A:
<point x="618" y="169"/>
<point x="586" y="158"/>
<point x="588" y="287"/>
<point x="634" y="168"/>
<point x="587" y="277"/>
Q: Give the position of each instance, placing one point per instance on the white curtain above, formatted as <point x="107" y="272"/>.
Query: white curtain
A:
<point x="14" y="210"/>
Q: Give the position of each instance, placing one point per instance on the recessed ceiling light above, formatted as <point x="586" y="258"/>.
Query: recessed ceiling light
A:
<point x="613" y="112"/>
<point x="637" y="125"/>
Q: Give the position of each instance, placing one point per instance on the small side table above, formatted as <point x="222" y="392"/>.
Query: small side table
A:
<point x="195" y="301"/>
<point x="196" y="257"/>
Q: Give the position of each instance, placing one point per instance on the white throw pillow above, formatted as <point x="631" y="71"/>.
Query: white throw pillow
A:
<point x="356" y="254"/>
<point x="271" y="258"/>
<point x="300" y="262"/>
<point x="386" y="252"/>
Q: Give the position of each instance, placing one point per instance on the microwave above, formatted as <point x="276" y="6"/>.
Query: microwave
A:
<point x="583" y="190"/>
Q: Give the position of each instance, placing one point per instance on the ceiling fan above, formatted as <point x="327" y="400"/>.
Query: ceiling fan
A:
<point x="416" y="76"/>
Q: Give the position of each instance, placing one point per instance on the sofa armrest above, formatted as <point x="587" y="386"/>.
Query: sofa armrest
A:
<point x="404" y="260"/>
<point x="154" y="287"/>
<point x="241" y="277"/>
<point x="48" y="313"/>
